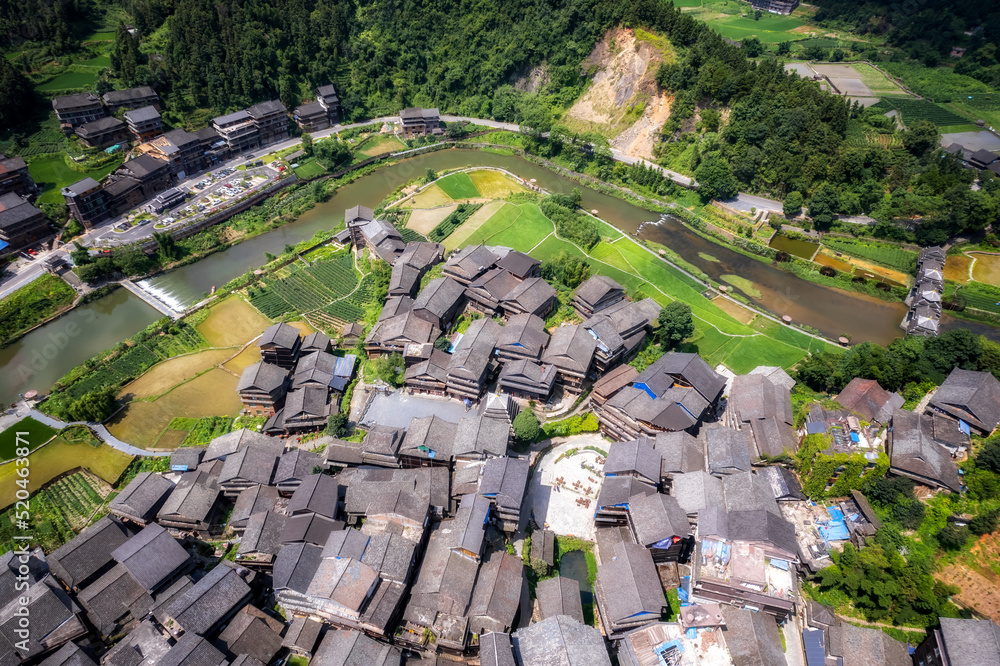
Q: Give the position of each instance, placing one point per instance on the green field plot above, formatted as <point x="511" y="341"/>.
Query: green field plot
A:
<point x="458" y="186"/>
<point x="305" y="290"/>
<point x="526" y="232"/>
<point x="885" y="254"/>
<point x="32" y="434"/>
<point x="99" y="37"/>
<point x="982" y="297"/>
<point x="453" y="221"/>
<point x="100" y="61"/>
<point x="32" y="304"/>
<point x="912" y="110"/>
<point x="876" y="80"/>
<point x="309" y="168"/>
<point x="52" y="174"/>
<point x="380" y="145"/>
<point x="68" y="81"/>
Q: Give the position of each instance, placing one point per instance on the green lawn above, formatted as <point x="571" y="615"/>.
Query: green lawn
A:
<point x="97" y="61"/>
<point x="31" y="304"/>
<point x="69" y="81"/>
<point x="52" y="174"/>
<point x="520" y="227"/>
<point x="458" y="186"/>
<point x="34" y="434"/>
<point x="309" y="168"/>
<point x="719" y="338"/>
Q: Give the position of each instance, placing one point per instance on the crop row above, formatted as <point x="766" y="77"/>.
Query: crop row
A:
<point x="886" y="255"/>
<point x="981" y="297"/>
<point x="344" y="311"/>
<point x="453" y="221"/>
<point x="918" y="109"/>
<point x="134" y="362"/>
<point x="270" y="304"/>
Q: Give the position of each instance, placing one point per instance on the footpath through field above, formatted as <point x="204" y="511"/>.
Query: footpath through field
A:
<point x="99" y="430"/>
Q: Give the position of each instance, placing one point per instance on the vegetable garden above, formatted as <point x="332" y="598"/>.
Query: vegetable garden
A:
<point x="59" y="511"/>
<point x="919" y="109"/>
<point x="453" y="221"/>
<point x="305" y="289"/>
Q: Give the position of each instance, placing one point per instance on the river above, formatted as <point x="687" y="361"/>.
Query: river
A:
<point x="41" y="357"/>
<point x="831" y="311"/>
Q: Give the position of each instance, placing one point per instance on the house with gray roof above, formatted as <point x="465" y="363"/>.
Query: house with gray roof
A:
<point x="959" y="642"/>
<point x="495" y="649"/>
<point x="153" y="558"/>
<point x="381" y="446"/>
<point x="681" y="370"/>
<point x="471" y="365"/>
<point x="314" y="369"/>
<point x="969" y="397"/>
<point x="482" y="435"/>
<point x="429" y="375"/>
<point x="764" y="409"/>
<point x="497" y="596"/>
<point x="628" y="590"/>
<point x="638" y="458"/>
<point x="520" y="265"/>
<point x="504" y="482"/>
<point x="225" y="445"/>
<point x="659" y="523"/>
<point x="193" y="650"/>
<point x="193" y="504"/>
<point x="87" y="556"/>
<point x="70" y="655"/>
<point x="208" y="603"/>
<point x="696" y="491"/>
<point x="295" y="567"/>
<point x="392" y="335"/>
<point x="485" y="293"/>
<point x="561" y="640"/>
<point x="114" y="600"/>
<point x="571" y="350"/>
<point x="728" y="451"/>
<point x="469" y="263"/>
<point x="55" y="620"/>
<point x="142" y="498"/>
<point x="345" y="647"/>
<point x="620" y="330"/>
<point x="383" y="239"/>
<point x="524" y="378"/>
<point x="914" y="453"/>
<point x="411" y="265"/>
<point x="355" y="218"/>
<point x="753" y="639"/>
<point x="842" y="642"/>
<point x="254" y="499"/>
<point x="680" y="453"/>
<point x="559" y="595"/>
<point x="142" y="643"/>
<point x="523" y="337"/>
<point x="252" y="465"/>
<point x="130" y="98"/>
<point x="293" y="467"/>
<point x="440" y="302"/>
<point x="867" y="398"/>
<point x="595" y="294"/>
<point x="429" y="440"/>
<point x="633" y="412"/>
<point x="367" y="484"/>
<point x="318" y="493"/>
<point x="306" y="409"/>
<point x="784" y="485"/>
<point x="186" y="458"/>
<point x="261" y="540"/>
<point x="543" y="546"/>
<point x="253" y="633"/>
<point x="262" y="389"/>
<point x="279" y="345"/>
<point x="309" y="528"/>
<point x="301" y="636"/>
<point x="609" y="384"/>
<point x="614" y="497"/>
<point x="533" y="296"/>
<point x="748" y="491"/>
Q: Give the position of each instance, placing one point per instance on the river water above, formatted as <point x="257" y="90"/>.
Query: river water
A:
<point x="831" y="311"/>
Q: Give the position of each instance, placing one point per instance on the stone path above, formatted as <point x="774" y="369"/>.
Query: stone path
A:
<point x="99" y="430"/>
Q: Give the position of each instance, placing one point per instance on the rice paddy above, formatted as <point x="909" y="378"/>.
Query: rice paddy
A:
<point x="987" y="268"/>
<point x="956" y="268"/>
<point x="168" y="374"/>
<point x="458" y="186"/>
<point x="232" y="322"/>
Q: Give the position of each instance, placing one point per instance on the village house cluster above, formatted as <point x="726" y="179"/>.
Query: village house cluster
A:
<point x="924" y="299"/>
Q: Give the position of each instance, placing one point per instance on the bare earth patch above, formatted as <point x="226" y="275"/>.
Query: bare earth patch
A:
<point x="974" y="574"/>
<point x="233" y="322"/>
<point x="956" y="268"/>
<point x="164" y="376"/>
<point x="469" y="227"/>
<point x="624" y="81"/>
<point x="735" y="310"/>
<point x="423" y="220"/>
<point x="243" y="360"/>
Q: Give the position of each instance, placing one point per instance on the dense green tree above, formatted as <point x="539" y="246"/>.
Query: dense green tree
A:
<point x="567" y="269"/>
<point x="985" y="523"/>
<point x="167" y="246"/>
<point x="952" y="537"/>
<point x="921" y="137"/>
<point x="307" y="143"/>
<point x="676" y="324"/>
<point x="792" y="205"/>
<point x="16" y="95"/>
<point x="752" y="46"/>
<point x="823" y="205"/>
<point x="715" y="179"/>
<point x="338" y="425"/>
<point x="526" y="428"/>
<point x="95" y="406"/>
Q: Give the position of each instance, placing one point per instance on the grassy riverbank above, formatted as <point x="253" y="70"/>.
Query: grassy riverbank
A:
<point x="32" y="304"/>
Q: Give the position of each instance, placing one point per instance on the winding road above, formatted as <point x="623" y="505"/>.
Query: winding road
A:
<point x="99" y="430"/>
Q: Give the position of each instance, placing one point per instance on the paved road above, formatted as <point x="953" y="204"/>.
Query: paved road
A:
<point x="101" y="432"/>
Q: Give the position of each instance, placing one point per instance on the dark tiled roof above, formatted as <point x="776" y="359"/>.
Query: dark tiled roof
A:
<point x="495" y="650"/>
<point x="318" y="494"/>
<point x="127" y="95"/>
<point x="88" y="552"/>
<point x="248" y="634"/>
<point x="145" y="641"/>
<point x="497" y="594"/>
<point x="263" y="533"/>
<point x="295" y="566"/>
<point x="692" y="368"/>
<point x="69" y="655"/>
<point x="72" y="101"/>
<point x="99" y="125"/>
<point x="561" y="640"/>
<point x="309" y="528"/>
<point x="254" y="462"/>
<point x="255" y="499"/>
<point x="696" y="491"/>
<point x="971" y="396"/>
<point x="193" y="650"/>
<point x="728" y="450"/>
<point x="142" y="114"/>
<point x="968" y="642"/>
<point x="151" y="556"/>
<point x="114" y="595"/>
<point x="266" y="108"/>
<point x="209" y="600"/>
<point x="193" y="497"/>
<point x="525" y="332"/>
<point x="657" y="517"/>
<point x="783" y="483"/>
<point x="628" y="586"/>
<point x="144" y="165"/>
<point x="639" y="456"/>
<point x="597" y="287"/>
<point x="226" y="445"/>
<point x="559" y="596"/>
<point x="280" y="335"/>
<point x="296" y="464"/>
<point x="518" y="263"/>
<point x="82" y="186"/>
<point x="618" y="490"/>
<point x="679" y="452"/>
<point x="504" y="480"/>
<point x="914" y="451"/>
<point x="752" y="638"/>
<point x="143" y="496"/>
<point x="187" y="458"/>
<point x="867" y="398"/>
<point x="864" y="646"/>
<point x="571" y="347"/>
<point x="353" y="648"/>
<point x="614" y="380"/>
<point x="439" y="296"/>
<point x="302" y="634"/>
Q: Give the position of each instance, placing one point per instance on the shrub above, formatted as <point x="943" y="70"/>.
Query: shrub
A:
<point x="952" y="537"/>
<point x="526" y="429"/>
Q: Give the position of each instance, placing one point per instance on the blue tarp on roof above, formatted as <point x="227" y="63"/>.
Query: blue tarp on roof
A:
<point x="4" y="245"/>
<point x="812" y="640"/>
<point x="343" y="370"/>
<point x="855" y="437"/>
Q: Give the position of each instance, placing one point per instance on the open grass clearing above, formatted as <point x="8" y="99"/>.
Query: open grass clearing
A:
<point x="956" y="268"/>
<point x="168" y="374"/>
<point x="459" y="186"/>
<point x="31" y="304"/>
<point x="987" y="268"/>
<point x="51" y="173"/>
<point x="742" y="314"/>
<point x="99" y="36"/>
<point x="211" y="394"/>
<point x="429" y="198"/>
<point x="309" y="168"/>
<point x="58" y="457"/>
<point x="31" y="433"/>
<point x="423" y="220"/>
<point x="68" y="81"/>
<point x="382" y="144"/>
<point x="708" y="257"/>
<point x="476" y="220"/>
<point x="232" y="322"/>
<point x="494" y="184"/>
